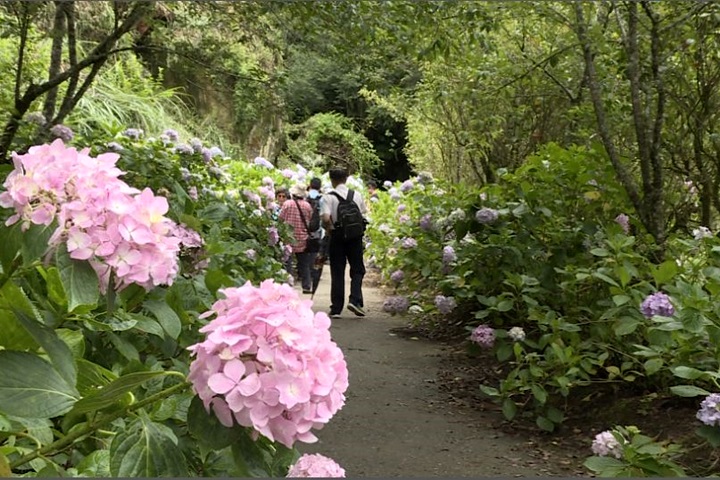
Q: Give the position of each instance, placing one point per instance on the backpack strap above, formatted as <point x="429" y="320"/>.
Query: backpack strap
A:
<point x="302" y="217"/>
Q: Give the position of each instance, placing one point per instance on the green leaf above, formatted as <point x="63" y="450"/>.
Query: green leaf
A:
<point x="35" y="242"/>
<point x="711" y="434"/>
<point x="600" y="252"/>
<point x="146" y="449"/>
<point x="60" y="354"/>
<point x="79" y="281"/>
<point x="56" y="291"/>
<point x="545" y="424"/>
<point x="621" y="300"/>
<point x="653" y="365"/>
<point x="91" y="376"/>
<point x="30" y="387"/>
<point x="505" y="305"/>
<point x="5" y="471"/>
<point x="207" y="428"/>
<point x="13" y="335"/>
<point x="687" y="373"/>
<point x="11" y="241"/>
<point x="665" y="272"/>
<point x="113" y="392"/>
<point x="625" y="326"/>
<point x="249" y="457"/>
<point x="555" y="415"/>
<point x="489" y="391"/>
<point x="96" y="465"/>
<point x="539" y="393"/>
<point x="605" y="279"/>
<point x="166" y="316"/>
<point x="509" y="408"/>
<point x="504" y="352"/>
<point x="605" y="466"/>
<point x="688" y="391"/>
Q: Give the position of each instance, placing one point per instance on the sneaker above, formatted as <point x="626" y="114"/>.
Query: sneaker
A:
<point x="356" y="310"/>
<point x="334" y="315"/>
<point x="307" y="292"/>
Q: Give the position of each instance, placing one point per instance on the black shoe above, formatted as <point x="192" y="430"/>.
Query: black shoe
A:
<point x="334" y="315"/>
<point x="307" y="291"/>
<point x="356" y="310"/>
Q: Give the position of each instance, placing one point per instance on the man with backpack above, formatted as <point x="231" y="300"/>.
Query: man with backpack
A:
<point x="343" y="216"/>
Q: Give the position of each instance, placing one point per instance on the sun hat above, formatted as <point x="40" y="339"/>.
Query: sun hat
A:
<point x="298" y="191"/>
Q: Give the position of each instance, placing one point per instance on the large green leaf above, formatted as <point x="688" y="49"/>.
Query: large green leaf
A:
<point x="92" y="376"/>
<point x="35" y="242"/>
<point x="11" y="241"/>
<point x="166" y="316"/>
<point x="114" y="391"/>
<point x="207" y="428"/>
<point x="30" y="387"/>
<point x="79" y="281"/>
<point x="146" y="449"/>
<point x="60" y="354"/>
<point x="688" y="391"/>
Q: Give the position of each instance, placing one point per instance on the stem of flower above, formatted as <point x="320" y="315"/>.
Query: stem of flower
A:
<point x="68" y="440"/>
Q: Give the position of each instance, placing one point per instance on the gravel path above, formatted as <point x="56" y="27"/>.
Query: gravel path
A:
<point x="396" y="422"/>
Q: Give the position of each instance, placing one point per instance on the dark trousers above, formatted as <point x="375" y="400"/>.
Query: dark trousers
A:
<point x="304" y="268"/>
<point x="342" y="252"/>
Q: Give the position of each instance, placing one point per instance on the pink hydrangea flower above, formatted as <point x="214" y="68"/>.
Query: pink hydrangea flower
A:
<point x="268" y="362"/>
<point x="315" y="466"/>
<point x="100" y="218"/>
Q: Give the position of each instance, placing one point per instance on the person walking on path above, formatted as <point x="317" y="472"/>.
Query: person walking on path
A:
<point x="296" y="212"/>
<point x="343" y="215"/>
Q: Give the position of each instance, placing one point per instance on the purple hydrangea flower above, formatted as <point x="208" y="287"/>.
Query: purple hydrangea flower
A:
<point x="606" y="444"/>
<point x="172" y="134"/>
<point x="624" y="221"/>
<point x="115" y="146"/>
<point x="657" y="304"/>
<point x="403" y="218"/>
<point x="448" y="254"/>
<point x="262" y="162"/>
<point x="273" y="236"/>
<point x="406" y="186"/>
<point x="36" y="117"/>
<point x="409" y="243"/>
<point x="709" y="412"/>
<point x="134" y="133"/>
<point x="196" y="145"/>
<point x="445" y="304"/>
<point x="486" y="215"/>
<point x="483" y="336"/>
<point x="395" y="305"/>
<point x="251" y="254"/>
<point x="268" y="181"/>
<point x="184" y="148"/>
<point x="426" y="222"/>
<point x="401" y="208"/>
<point x="63" y="132"/>
<point x="397" y="276"/>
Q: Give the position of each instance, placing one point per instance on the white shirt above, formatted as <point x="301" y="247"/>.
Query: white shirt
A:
<point x="330" y="202"/>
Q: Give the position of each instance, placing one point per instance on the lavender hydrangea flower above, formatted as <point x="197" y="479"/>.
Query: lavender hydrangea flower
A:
<point x="36" y="118"/>
<point x="387" y="184"/>
<point x="268" y="181"/>
<point x="483" y="336"/>
<point x="517" y="334"/>
<point x="449" y="255"/>
<point x="183" y="149"/>
<point x="486" y="215"/>
<point x="251" y="254"/>
<point x="273" y="236"/>
<point x="397" y="276"/>
<point x="193" y="193"/>
<point x="63" y="132"/>
<point x="115" y="147"/>
<point x="172" y="135"/>
<point x="709" y="412"/>
<point x="134" y="133"/>
<point x="396" y="304"/>
<point x="624" y="221"/>
<point x="404" y="219"/>
<point x="401" y="208"/>
<point x="606" y="444"/>
<point x="196" y="145"/>
<point x="409" y="243"/>
<point x="657" y="304"/>
<point x="406" y="186"/>
<point x="445" y="304"/>
<point x="262" y="162"/>
<point x="426" y="222"/>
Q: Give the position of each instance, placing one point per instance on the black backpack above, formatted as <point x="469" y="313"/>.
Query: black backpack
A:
<point x="314" y="224"/>
<point x="350" y="223"/>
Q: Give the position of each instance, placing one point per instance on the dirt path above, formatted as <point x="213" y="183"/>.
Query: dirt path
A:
<point x="396" y="422"/>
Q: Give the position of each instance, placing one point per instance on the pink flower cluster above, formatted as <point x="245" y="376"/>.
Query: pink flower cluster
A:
<point x="268" y="362"/>
<point x="315" y="466"/>
<point x="117" y="228"/>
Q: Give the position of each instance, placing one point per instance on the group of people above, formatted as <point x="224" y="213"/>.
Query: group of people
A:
<point x="330" y="227"/>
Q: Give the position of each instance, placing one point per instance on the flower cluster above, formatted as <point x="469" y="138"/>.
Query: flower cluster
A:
<point x="397" y="276"/>
<point x="315" y="466"/>
<point x="483" y="336"/>
<point x="456" y="215"/>
<point x="657" y="304"/>
<point x="134" y="133"/>
<point x="396" y="304"/>
<point x="709" y="412"/>
<point x="268" y="362"/>
<point x="449" y="255"/>
<point x="426" y="222"/>
<point x="486" y="215"/>
<point x="36" y="117"/>
<point x="263" y="163"/>
<point x="118" y="229"/>
<point x="401" y="208"/>
<point x="517" y="334"/>
<point x="406" y="186"/>
<point x="701" y="232"/>
<point x="445" y="304"/>
<point x="62" y="132"/>
<point x="624" y="222"/>
<point x="273" y="236"/>
<point x="606" y="444"/>
<point x="409" y="243"/>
